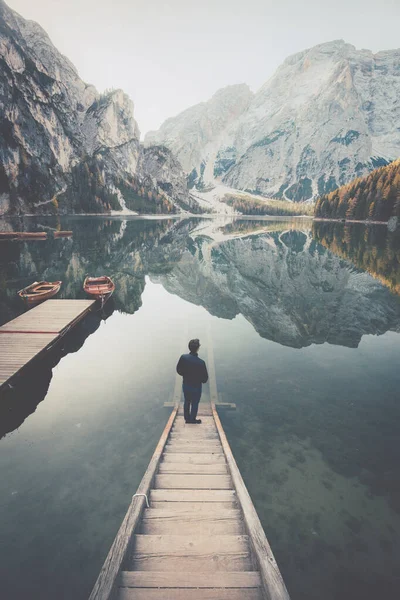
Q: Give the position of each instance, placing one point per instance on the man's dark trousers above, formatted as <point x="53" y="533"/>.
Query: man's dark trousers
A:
<point x="192" y="399"/>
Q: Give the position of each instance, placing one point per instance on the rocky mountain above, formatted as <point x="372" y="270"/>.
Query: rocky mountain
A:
<point x="196" y="135"/>
<point x="329" y="114"/>
<point x="66" y="148"/>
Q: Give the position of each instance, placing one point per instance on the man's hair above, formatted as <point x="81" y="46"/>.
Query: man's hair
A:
<point x="194" y="345"/>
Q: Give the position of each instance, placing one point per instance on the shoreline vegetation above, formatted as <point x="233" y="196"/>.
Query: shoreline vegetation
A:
<point x="250" y="206"/>
<point x="372" y="200"/>
<point x="375" y="197"/>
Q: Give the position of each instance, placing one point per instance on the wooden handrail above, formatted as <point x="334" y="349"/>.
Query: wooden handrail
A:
<point x="273" y="584"/>
<point x="106" y="586"/>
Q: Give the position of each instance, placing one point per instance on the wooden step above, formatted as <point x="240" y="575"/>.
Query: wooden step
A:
<point x="184" y="594"/>
<point x="194" y="435"/>
<point x="193" y="448"/>
<point x="217" y="579"/>
<point x="190" y="553"/>
<point x="193" y="482"/>
<point x="201" y="509"/>
<point x="160" y="495"/>
<point x="191" y="507"/>
<point x="191" y="468"/>
<point x="193" y="458"/>
<point x="205" y="422"/>
<point x="192" y="525"/>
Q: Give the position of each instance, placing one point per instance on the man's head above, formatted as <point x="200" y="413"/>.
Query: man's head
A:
<point x="194" y="345"/>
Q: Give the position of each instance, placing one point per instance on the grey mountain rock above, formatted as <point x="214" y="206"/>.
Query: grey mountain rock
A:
<point x="63" y="146"/>
<point x="329" y="114"/>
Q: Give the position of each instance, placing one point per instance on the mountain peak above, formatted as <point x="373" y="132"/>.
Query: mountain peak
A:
<point x="324" y="117"/>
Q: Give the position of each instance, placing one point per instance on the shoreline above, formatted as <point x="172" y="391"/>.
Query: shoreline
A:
<point x="366" y="222"/>
<point x="188" y="215"/>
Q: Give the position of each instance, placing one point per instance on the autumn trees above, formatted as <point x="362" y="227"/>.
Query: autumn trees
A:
<point x="375" y="197"/>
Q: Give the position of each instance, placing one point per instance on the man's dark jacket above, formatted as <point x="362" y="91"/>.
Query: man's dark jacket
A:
<point x="193" y="370"/>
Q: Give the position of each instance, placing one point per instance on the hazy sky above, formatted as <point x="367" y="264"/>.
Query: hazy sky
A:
<point x="168" y="55"/>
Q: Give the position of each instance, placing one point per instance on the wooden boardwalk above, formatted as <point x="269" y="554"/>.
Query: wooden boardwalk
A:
<point x="200" y="538"/>
<point x="27" y="336"/>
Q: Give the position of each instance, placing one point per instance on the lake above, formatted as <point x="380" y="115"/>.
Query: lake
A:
<point x="304" y="320"/>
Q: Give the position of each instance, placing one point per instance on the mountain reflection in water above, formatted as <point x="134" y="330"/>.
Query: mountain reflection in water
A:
<point x="304" y="320"/>
<point x="276" y="274"/>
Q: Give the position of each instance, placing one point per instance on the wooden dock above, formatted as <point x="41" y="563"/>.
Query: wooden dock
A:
<point x="29" y="335"/>
<point x="200" y="537"/>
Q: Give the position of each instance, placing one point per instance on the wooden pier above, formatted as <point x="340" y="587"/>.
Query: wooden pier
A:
<point x="28" y="336"/>
<point x="200" y="537"/>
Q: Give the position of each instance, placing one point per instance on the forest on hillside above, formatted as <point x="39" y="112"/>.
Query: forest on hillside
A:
<point x="248" y="205"/>
<point x="375" y="197"/>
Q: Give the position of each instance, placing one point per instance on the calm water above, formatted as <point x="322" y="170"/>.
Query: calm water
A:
<point x="304" y="320"/>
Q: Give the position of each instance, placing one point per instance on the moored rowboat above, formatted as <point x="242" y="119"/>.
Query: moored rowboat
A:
<point x="39" y="291"/>
<point x="100" y="288"/>
<point x="20" y="235"/>
<point x="58" y="234"/>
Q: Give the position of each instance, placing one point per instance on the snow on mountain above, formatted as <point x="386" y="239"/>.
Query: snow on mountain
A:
<point x="328" y="114"/>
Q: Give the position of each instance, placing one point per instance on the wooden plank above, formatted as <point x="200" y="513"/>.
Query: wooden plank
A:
<point x="206" y="420"/>
<point x="271" y="577"/>
<point x="59" y="312"/>
<point x="105" y="587"/>
<point x="192" y="496"/>
<point x="195" y="438"/>
<point x="272" y="580"/>
<point x="17" y="351"/>
<point x="203" y="562"/>
<point x="204" y="514"/>
<point x="218" y="579"/>
<point x="194" y="434"/>
<point x="175" y="448"/>
<point x="191" y="525"/>
<point x="210" y="469"/>
<point x="212" y="444"/>
<point x="194" y="482"/>
<point x="17" y="348"/>
<point x="193" y="507"/>
<point x="182" y="545"/>
<point x="193" y="458"/>
<point x="185" y="594"/>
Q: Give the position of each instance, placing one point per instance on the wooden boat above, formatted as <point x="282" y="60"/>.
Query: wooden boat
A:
<point x="39" y="291"/>
<point x="21" y="235"/>
<point x="100" y="288"/>
<point x="59" y="234"/>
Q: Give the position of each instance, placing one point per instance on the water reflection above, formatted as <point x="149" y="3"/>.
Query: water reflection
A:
<point x="282" y="281"/>
<point x="279" y="275"/>
<point x="21" y="398"/>
<point x="374" y="249"/>
<point x="315" y="432"/>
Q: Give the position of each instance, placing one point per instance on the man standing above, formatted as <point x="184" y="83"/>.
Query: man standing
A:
<point x="194" y="372"/>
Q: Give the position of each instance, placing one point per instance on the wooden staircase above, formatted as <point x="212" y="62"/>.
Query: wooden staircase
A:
<point x="191" y="543"/>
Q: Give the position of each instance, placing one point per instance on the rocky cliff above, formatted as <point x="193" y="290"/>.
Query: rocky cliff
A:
<point x="329" y="114"/>
<point x="66" y="148"/>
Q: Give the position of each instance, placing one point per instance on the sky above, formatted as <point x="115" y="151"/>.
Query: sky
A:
<point x="170" y="54"/>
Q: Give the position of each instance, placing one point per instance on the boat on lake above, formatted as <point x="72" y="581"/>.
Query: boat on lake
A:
<point x="23" y="235"/>
<point x="39" y="291"/>
<point x="61" y="234"/>
<point x="100" y="288"/>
